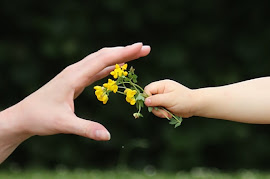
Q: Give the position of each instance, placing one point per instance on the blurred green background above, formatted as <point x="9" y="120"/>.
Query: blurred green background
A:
<point x="197" y="43"/>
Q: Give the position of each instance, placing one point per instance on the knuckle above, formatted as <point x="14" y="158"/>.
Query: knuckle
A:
<point x="68" y="77"/>
<point x="103" y="50"/>
<point x="85" y="132"/>
<point x="167" y="80"/>
<point x="146" y="88"/>
<point x="69" y="70"/>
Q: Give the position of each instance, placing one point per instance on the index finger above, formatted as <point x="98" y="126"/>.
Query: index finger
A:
<point x="105" y="57"/>
<point x="157" y="87"/>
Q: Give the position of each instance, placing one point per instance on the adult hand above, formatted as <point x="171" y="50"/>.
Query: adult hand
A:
<point x="50" y="110"/>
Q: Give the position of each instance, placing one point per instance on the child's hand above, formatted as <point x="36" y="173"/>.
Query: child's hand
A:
<point x="171" y="95"/>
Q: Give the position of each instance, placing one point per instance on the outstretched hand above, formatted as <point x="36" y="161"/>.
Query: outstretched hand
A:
<point x="50" y="110"/>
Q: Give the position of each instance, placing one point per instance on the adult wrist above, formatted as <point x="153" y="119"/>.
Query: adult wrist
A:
<point x="12" y="125"/>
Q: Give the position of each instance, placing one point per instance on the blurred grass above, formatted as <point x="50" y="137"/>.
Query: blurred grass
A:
<point x="196" y="173"/>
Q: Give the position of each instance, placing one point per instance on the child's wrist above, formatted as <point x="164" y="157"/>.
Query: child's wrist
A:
<point x="206" y="101"/>
<point x="199" y="102"/>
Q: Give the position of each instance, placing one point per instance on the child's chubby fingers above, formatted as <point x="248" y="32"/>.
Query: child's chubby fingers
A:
<point x="160" y="87"/>
<point x="157" y="87"/>
<point x="161" y="113"/>
<point x="158" y="100"/>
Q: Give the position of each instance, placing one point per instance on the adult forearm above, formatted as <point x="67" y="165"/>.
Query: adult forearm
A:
<point x="11" y="134"/>
<point x="247" y="101"/>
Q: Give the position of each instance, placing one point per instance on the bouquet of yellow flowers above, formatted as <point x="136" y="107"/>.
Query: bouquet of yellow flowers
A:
<point x="125" y="83"/>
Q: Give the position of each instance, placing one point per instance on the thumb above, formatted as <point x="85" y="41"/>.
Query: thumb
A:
<point x="158" y="100"/>
<point x="86" y="128"/>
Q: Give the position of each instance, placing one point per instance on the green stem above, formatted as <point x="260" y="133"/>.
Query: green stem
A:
<point x="139" y="109"/>
<point x="133" y="84"/>
<point x="123" y="87"/>
<point x="164" y="114"/>
<point x="120" y="92"/>
<point x="171" y="114"/>
<point x="138" y="86"/>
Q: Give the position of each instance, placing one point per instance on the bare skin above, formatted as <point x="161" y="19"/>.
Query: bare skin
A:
<point x="50" y="110"/>
<point x="247" y="101"/>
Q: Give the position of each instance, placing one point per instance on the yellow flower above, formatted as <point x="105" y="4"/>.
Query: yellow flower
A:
<point x="99" y="90"/>
<point x="119" y="71"/>
<point x="130" y="93"/>
<point x="101" y="94"/>
<point x="131" y="101"/>
<point x="111" y="85"/>
<point x="124" y="67"/>
<point x="105" y="99"/>
<point x="130" y="96"/>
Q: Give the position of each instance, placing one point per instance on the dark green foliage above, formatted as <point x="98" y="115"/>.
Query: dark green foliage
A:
<point x="198" y="43"/>
<point x="176" y="121"/>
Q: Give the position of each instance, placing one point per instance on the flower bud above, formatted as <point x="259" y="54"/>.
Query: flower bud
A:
<point x="136" y="115"/>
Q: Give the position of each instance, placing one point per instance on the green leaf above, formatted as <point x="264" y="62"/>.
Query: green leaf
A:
<point x="173" y="121"/>
<point x="140" y="97"/>
<point x="141" y="103"/>
<point x="180" y="119"/>
<point x="156" y="108"/>
<point x="131" y="70"/>
<point x="134" y="78"/>
<point x="177" y="124"/>
<point x="150" y="109"/>
<point x="137" y="105"/>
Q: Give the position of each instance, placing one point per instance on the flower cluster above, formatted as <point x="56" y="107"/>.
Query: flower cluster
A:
<point x="111" y="86"/>
<point x="130" y="96"/>
<point x="119" y="71"/>
<point x="101" y="94"/>
<point x="127" y="82"/>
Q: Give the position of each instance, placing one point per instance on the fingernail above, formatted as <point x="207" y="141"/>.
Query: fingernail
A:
<point x="138" y="43"/>
<point x="147" y="101"/>
<point x="103" y="135"/>
<point x="146" y="47"/>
